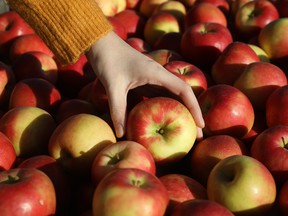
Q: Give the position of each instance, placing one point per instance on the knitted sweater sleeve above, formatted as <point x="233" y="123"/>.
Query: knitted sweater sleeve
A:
<point x="69" y="28"/>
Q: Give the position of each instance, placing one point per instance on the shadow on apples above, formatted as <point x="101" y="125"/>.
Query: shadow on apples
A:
<point x="267" y="210"/>
<point x="237" y="131"/>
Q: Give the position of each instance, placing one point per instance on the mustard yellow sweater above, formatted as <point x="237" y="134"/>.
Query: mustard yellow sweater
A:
<point x="68" y="27"/>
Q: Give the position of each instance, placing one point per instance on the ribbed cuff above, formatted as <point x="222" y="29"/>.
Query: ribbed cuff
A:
<point x="69" y="28"/>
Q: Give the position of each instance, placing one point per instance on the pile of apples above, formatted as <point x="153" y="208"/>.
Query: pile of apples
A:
<point x="58" y="151"/>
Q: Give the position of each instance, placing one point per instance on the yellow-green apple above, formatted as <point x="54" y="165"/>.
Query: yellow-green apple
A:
<point x="260" y="52"/>
<point x="122" y="154"/>
<point x="225" y="102"/>
<point x="147" y="7"/>
<point x="201" y="207"/>
<point x="7" y="83"/>
<point x="118" y="27"/>
<point x="73" y="106"/>
<point x="258" y="81"/>
<point x="29" y="129"/>
<point x="242" y="184"/>
<point x="180" y="188"/>
<point x="235" y="5"/>
<point x="205" y="39"/>
<point x="170" y="41"/>
<point x="36" y="92"/>
<point x="139" y="44"/>
<point x="132" y="21"/>
<point x="27" y="43"/>
<point x="232" y="62"/>
<point x="133" y="4"/>
<point x="163" y="56"/>
<point x="7" y="153"/>
<point x="276" y="113"/>
<point x="198" y="14"/>
<point x="159" y="24"/>
<point x="164" y="126"/>
<point x="282" y="204"/>
<point x="26" y="191"/>
<point x="191" y="74"/>
<point x="73" y="77"/>
<point x="130" y="191"/>
<point x="111" y="7"/>
<point x="35" y="64"/>
<point x="269" y="147"/>
<point x="223" y="5"/>
<point x="209" y="151"/>
<point x="273" y="39"/>
<point x="60" y="179"/>
<point x="93" y="134"/>
<point x="253" y="16"/>
<point x="12" y="26"/>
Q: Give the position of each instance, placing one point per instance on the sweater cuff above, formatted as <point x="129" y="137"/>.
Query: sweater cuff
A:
<point x="68" y="28"/>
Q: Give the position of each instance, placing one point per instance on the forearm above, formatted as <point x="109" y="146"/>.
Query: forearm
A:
<point x="69" y="28"/>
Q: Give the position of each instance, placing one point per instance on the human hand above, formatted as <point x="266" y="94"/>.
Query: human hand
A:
<point x="121" y="68"/>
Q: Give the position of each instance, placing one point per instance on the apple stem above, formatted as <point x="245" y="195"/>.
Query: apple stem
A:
<point x="137" y="183"/>
<point x="161" y="131"/>
<point x="284" y="142"/>
<point x="12" y="179"/>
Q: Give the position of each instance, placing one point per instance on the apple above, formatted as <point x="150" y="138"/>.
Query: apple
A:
<point x="36" y="92"/>
<point x="180" y="188"/>
<point x="276" y="113"/>
<point x="282" y="7"/>
<point x="27" y="43"/>
<point x="12" y="26"/>
<point x="111" y="7"/>
<point x="130" y="191"/>
<point x="35" y="64"/>
<point x="225" y="102"/>
<point x="253" y="16"/>
<point x="163" y="56"/>
<point x="139" y="44"/>
<point x="118" y="27"/>
<point x="164" y="126"/>
<point x="170" y="41"/>
<point x="282" y="204"/>
<point x="147" y="7"/>
<point x="98" y="97"/>
<point x="7" y="153"/>
<point x="26" y="191"/>
<point x="232" y="62"/>
<point x="223" y="5"/>
<point x="235" y="5"/>
<point x="201" y="207"/>
<point x="243" y="185"/>
<point x="122" y="154"/>
<point x="269" y="147"/>
<point x="260" y="52"/>
<point x="209" y="151"/>
<point x="28" y="128"/>
<point x="91" y="131"/>
<point x="7" y="82"/>
<point x="198" y="14"/>
<point x="57" y="175"/>
<point x="159" y="24"/>
<point x="204" y="39"/>
<point x="191" y="74"/>
<point x="133" y="4"/>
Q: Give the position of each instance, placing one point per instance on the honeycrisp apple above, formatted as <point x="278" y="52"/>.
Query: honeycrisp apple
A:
<point x="243" y="185"/>
<point x="111" y="7"/>
<point x="147" y="7"/>
<point x="7" y="153"/>
<point x="7" y="82"/>
<point x="164" y="126"/>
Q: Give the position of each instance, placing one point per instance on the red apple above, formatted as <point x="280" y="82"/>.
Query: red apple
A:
<point x="170" y="41"/>
<point x="269" y="147"/>
<point x="98" y="97"/>
<point x="7" y="82"/>
<point x="282" y="7"/>
<point x="164" y="126"/>
<point x="7" y="153"/>
<point x="223" y="5"/>
<point x="122" y="154"/>
<point x="282" y="204"/>
<point x="226" y="110"/>
<point x="209" y="151"/>
<point x="118" y="27"/>
<point x="276" y="112"/>
<point x="133" y="4"/>
<point x="26" y="191"/>
<point x="139" y="44"/>
<point x="130" y="191"/>
<point x="232" y="62"/>
<point x="163" y="56"/>
<point x="204" y="39"/>
<point x="147" y="7"/>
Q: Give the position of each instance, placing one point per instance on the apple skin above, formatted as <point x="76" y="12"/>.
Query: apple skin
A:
<point x="260" y="52"/>
<point x="122" y="154"/>
<point x="229" y="104"/>
<point x="209" y="151"/>
<point x="26" y="191"/>
<point x="191" y="74"/>
<point x="35" y="64"/>
<point x="276" y="112"/>
<point x="231" y="185"/>
<point x="145" y="194"/>
<point x="258" y="81"/>
<point x="91" y="131"/>
<point x="7" y="153"/>
<point x="201" y="207"/>
<point x="204" y="39"/>
<point x="112" y="7"/>
<point x="29" y="129"/>
<point x="164" y="126"/>
<point x="170" y="41"/>
<point x="36" y="92"/>
<point x="118" y="27"/>
<point x="253" y="16"/>
<point x="163" y="56"/>
<point x="147" y="7"/>
<point x="139" y="44"/>
<point x="7" y="83"/>
<point x="269" y="147"/>
<point x="12" y="26"/>
<point x="223" y="5"/>
<point x="282" y="204"/>
<point x="133" y="4"/>
<point x="180" y="188"/>
<point x="232" y="62"/>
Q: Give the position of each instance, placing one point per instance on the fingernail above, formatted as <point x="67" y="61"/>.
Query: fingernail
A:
<point x="119" y="131"/>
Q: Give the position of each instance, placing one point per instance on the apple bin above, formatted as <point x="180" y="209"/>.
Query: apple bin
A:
<point x="59" y="154"/>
